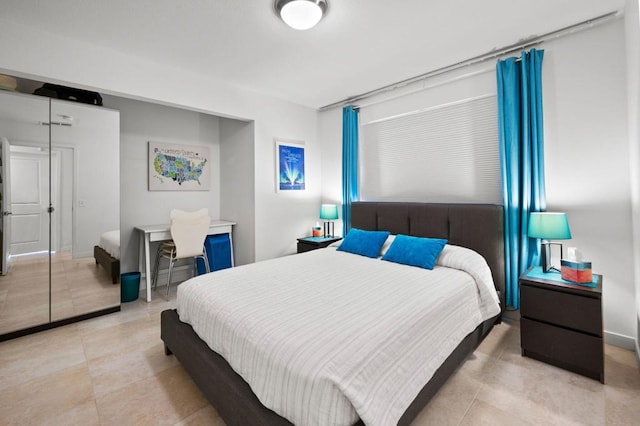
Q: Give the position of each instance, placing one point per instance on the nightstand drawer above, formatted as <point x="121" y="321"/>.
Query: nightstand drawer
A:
<point x="563" y="309"/>
<point x="564" y="348"/>
<point x="305" y="247"/>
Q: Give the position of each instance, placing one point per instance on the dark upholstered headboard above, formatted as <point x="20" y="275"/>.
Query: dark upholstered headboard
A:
<point x="476" y="226"/>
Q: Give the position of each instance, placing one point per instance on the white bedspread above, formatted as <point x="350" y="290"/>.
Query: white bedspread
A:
<point x="110" y="242"/>
<point x="325" y="337"/>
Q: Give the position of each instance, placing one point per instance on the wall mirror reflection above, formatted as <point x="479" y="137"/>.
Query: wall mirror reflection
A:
<point x="60" y="198"/>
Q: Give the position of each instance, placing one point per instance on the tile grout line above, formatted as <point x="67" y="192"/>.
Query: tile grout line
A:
<point x="93" y="387"/>
<point x="497" y="357"/>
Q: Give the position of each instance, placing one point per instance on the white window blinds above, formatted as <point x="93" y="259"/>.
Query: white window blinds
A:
<point x="445" y="153"/>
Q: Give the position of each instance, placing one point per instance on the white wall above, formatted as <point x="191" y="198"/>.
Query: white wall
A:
<point x="587" y="161"/>
<point x="142" y="122"/>
<point x="586" y="158"/>
<point x="632" y="21"/>
<point x="330" y="137"/>
<point x="282" y="217"/>
<point x="237" y="180"/>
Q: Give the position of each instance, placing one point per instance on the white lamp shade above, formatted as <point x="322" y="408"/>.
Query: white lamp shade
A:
<point x="301" y="14"/>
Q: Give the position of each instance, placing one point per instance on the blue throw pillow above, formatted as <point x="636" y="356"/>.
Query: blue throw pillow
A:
<point x="364" y="243"/>
<point x="415" y="251"/>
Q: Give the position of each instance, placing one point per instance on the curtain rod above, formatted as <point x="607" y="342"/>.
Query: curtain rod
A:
<point x="480" y="58"/>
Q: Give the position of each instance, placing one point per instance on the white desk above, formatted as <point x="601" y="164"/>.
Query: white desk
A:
<point x="151" y="233"/>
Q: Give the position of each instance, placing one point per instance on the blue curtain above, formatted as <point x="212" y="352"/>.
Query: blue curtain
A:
<point x="349" y="164"/>
<point x="522" y="161"/>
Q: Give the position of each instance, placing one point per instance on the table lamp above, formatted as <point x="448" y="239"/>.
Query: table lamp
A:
<point x="328" y="213"/>
<point x="549" y="226"/>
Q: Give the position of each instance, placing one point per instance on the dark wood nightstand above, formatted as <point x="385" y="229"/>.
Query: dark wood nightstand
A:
<point x="561" y="322"/>
<point x="312" y="243"/>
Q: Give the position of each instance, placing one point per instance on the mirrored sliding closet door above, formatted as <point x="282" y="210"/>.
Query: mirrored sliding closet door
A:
<point x="60" y="195"/>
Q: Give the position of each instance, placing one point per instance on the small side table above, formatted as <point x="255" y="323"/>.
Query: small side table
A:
<point x="561" y="322"/>
<point x="313" y="243"/>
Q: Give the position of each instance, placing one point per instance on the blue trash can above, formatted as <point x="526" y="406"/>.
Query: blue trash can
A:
<point x="218" y="252"/>
<point x="129" y="286"/>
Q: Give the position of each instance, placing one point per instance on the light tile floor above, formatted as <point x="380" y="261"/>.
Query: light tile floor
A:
<point x="112" y="371"/>
<point x="78" y="286"/>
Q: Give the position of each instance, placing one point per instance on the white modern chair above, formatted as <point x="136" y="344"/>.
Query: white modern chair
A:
<point x="188" y="231"/>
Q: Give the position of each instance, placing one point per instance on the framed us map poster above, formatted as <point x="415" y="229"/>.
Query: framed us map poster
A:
<point x="174" y="167"/>
<point x="289" y="166"/>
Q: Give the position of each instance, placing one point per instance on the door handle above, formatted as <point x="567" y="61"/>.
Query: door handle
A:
<point x="6" y="213"/>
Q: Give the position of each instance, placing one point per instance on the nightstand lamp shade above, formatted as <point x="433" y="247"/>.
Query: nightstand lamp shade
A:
<point x="549" y="226"/>
<point x="328" y="213"/>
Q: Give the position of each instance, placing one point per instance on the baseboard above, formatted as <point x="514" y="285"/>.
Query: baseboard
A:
<point x="621" y="341"/>
<point x="638" y="342"/>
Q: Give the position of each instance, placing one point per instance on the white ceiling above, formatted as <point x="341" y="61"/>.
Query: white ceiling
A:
<point x="359" y="46"/>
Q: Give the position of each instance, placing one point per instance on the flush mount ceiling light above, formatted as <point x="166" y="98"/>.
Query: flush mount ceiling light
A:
<point x="301" y="14"/>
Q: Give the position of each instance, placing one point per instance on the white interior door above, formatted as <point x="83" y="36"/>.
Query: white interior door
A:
<point x="5" y="205"/>
<point x="29" y="202"/>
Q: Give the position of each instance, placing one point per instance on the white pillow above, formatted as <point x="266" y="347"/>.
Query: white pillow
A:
<point x="474" y="264"/>
<point x="386" y="245"/>
<point x="335" y="243"/>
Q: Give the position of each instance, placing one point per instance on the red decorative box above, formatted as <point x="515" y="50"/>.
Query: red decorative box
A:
<point x="577" y="272"/>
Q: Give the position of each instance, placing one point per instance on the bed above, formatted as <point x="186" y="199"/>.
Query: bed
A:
<point x="107" y="254"/>
<point x="477" y="227"/>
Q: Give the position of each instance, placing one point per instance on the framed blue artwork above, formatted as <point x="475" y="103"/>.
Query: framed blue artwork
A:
<point x="289" y="166"/>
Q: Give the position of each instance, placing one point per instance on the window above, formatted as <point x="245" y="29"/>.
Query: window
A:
<point x="442" y="153"/>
